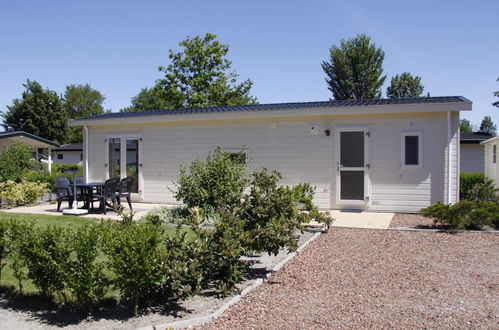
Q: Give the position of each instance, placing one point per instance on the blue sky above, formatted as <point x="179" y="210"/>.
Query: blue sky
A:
<point x="116" y="46"/>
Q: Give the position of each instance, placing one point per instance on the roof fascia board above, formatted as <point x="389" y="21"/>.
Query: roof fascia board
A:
<point x="329" y="111"/>
<point x="490" y="140"/>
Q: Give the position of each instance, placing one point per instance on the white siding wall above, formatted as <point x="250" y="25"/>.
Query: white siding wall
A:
<point x="472" y="158"/>
<point x="69" y="157"/>
<point x="286" y="145"/>
<point x="491" y="169"/>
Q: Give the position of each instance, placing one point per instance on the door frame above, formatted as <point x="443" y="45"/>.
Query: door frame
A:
<point x="353" y="128"/>
<point x="123" y="137"/>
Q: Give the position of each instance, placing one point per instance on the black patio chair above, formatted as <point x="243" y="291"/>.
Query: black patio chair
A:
<point x="64" y="192"/>
<point x="108" y="192"/>
<point x="125" y="190"/>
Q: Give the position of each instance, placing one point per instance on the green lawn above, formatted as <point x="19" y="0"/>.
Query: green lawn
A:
<point x="7" y="279"/>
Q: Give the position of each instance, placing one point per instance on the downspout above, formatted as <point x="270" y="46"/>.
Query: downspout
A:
<point x="449" y="158"/>
<point x="85" y="153"/>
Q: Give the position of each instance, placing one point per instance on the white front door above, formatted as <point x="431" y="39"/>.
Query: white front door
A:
<point x="352" y="166"/>
<point x="124" y="159"/>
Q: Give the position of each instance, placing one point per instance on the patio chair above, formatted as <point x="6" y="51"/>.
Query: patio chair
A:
<point x="125" y="190"/>
<point x="64" y="192"/>
<point x="108" y="192"/>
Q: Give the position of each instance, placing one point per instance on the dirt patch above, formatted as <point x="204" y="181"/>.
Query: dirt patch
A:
<point x="359" y="278"/>
<point x="411" y="221"/>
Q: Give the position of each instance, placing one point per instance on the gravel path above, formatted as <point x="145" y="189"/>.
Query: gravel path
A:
<point x="358" y="278"/>
<point x="410" y="220"/>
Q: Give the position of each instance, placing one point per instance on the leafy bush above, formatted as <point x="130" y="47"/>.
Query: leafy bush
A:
<point x="466" y="183"/>
<point x="3" y="245"/>
<point x="215" y="182"/>
<point x="85" y="276"/>
<point x="135" y="259"/>
<point x="64" y="168"/>
<point x="24" y="192"/>
<point x="45" y="255"/>
<point x="14" y="161"/>
<point x="464" y="215"/>
<point x="18" y="234"/>
<point x="483" y="192"/>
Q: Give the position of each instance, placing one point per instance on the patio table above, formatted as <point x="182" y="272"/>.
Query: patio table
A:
<point x="89" y="189"/>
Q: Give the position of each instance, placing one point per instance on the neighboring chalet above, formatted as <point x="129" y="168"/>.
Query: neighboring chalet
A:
<point x="68" y="153"/>
<point x="377" y="154"/>
<point x="491" y="169"/>
<point x="472" y="152"/>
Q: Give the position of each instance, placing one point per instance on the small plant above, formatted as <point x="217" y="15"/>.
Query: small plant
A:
<point x="213" y="183"/>
<point x="134" y="257"/>
<point x="464" y="215"/>
<point x="85" y="276"/>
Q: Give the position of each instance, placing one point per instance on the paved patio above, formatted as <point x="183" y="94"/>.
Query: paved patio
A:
<point x="140" y="209"/>
<point x="366" y="220"/>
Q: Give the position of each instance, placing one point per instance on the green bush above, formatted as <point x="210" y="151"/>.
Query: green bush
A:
<point x="46" y="254"/>
<point x="64" y="168"/>
<point x="483" y="192"/>
<point x="466" y="183"/>
<point x="48" y="178"/>
<point x="213" y="183"/>
<point x="3" y="246"/>
<point x="18" y="235"/>
<point x="14" y="161"/>
<point x="464" y="215"/>
<point x="134" y="258"/>
<point x="14" y="194"/>
<point x="85" y="276"/>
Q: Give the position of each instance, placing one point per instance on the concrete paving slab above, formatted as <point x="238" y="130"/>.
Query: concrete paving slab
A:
<point x="140" y="209"/>
<point x="366" y="220"/>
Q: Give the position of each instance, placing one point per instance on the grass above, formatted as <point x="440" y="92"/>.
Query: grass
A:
<point x="9" y="283"/>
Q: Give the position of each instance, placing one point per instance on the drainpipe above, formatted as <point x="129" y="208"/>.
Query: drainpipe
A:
<point x="449" y="158"/>
<point x="85" y="153"/>
<point x="49" y="160"/>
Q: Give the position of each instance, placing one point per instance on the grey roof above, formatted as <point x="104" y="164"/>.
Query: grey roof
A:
<point x="4" y="135"/>
<point x="474" y="137"/>
<point x="70" y="147"/>
<point x="286" y="106"/>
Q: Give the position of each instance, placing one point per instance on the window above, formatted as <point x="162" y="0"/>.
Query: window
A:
<point x="412" y="153"/>
<point x="81" y="157"/>
<point x="60" y="156"/>
<point x="239" y="157"/>
<point x="494" y="153"/>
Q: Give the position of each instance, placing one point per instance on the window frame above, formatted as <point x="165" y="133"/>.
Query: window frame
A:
<point x="419" y="134"/>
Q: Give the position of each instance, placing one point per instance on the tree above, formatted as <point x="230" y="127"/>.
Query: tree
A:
<point x="355" y="69"/>
<point x="496" y="103"/>
<point x="81" y="101"/>
<point x="149" y="99"/>
<point x="39" y="111"/>
<point x="465" y="125"/>
<point x="487" y="126"/>
<point x="199" y="76"/>
<point x="405" y="85"/>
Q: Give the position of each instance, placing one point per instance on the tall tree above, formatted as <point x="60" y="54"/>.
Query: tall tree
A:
<point x="149" y="99"/>
<point x="405" y="85"/>
<point x="81" y="101"/>
<point x="496" y="103"/>
<point x="487" y="126"/>
<point x="200" y="76"/>
<point x="39" y="111"/>
<point x="465" y="125"/>
<point x="355" y="69"/>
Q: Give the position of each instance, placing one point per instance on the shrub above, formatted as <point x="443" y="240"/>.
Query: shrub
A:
<point x="24" y="192"/>
<point x="463" y="215"/>
<point x="46" y="254"/>
<point x="215" y="182"/>
<point x="14" y="161"/>
<point x="134" y="257"/>
<point x="483" y="192"/>
<point x="18" y="235"/>
<point x="85" y="277"/>
<point x="466" y="183"/>
<point x="3" y="245"/>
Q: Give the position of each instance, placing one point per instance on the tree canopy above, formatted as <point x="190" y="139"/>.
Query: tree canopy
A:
<point x="39" y="111"/>
<point x="496" y="93"/>
<point x="465" y="125"/>
<point x="405" y="85"/>
<point x="81" y="101"/>
<point x="487" y="126"/>
<point x="198" y="76"/>
<point x="355" y="69"/>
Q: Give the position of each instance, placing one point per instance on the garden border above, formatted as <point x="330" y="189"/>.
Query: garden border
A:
<point x="216" y="314"/>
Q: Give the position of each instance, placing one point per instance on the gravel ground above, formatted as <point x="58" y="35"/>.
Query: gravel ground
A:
<point x="359" y="278"/>
<point x="410" y="220"/>
<point x="26" y="313"/>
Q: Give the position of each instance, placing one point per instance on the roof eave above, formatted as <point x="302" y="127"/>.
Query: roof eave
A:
<point x="291" y="112"/>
